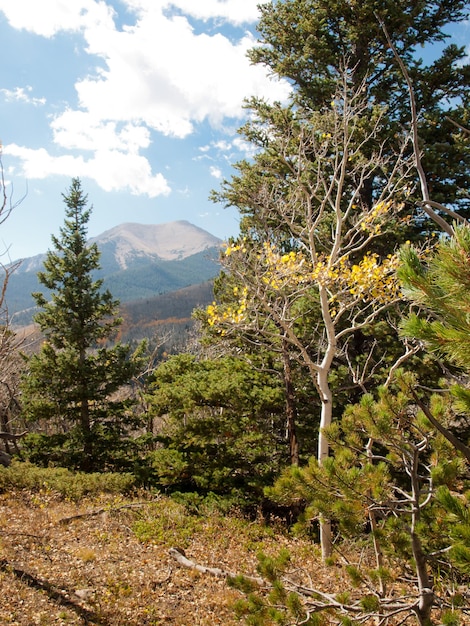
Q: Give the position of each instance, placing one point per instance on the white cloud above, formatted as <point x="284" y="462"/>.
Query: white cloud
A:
<point x="216" y="172"/>
<point x="112" y="170"/>
<point x="248" y="149"/>
<point x="160" y="72"/>
<point x="22" y="94"/>
<point x="157" y="76"/>
<point x="223" y="145"/>
<point x="48" y="17"/>
<point x="79" y="130"/>
<point x="157" y="71"/>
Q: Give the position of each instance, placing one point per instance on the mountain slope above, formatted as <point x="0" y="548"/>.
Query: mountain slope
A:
<point x="137" y="261"/>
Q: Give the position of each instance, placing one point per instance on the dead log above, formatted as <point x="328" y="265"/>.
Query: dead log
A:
<point x="12" y="436"/>
<point x="181" y="559"/>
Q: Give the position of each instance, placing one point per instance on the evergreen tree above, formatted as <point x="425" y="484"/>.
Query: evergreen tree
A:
<point x="74" y="379"/>
<point x="391" y="489"/>
<point x="308" y="41"/>
<point x="221" y="424"/>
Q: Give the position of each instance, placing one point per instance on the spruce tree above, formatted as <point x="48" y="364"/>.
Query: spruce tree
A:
<point x="73" y="379"/>
<point x="308" y="41"/>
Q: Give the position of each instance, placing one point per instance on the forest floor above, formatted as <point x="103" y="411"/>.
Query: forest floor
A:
<point x="107" y="561"/>
<point x="110" y="561"/>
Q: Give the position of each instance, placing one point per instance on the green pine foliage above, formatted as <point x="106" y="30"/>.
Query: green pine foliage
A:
<point x="74" y="382"/>
<point x="458" y="516"/>
<point x="379" y="489"/>
<point x="440" y="284"/>
<point x="220" y="425"/>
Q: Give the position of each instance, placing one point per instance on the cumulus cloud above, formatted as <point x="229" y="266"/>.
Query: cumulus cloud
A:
<point x="159" y="71"/>
<point x="80" y="130"/>
<point x="157" y="76"/>
<point x="48" y="17"/>
<point x="112" y="170"/>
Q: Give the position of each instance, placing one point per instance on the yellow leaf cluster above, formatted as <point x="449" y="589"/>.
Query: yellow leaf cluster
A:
<point x="371" y="279"/>
<point x="235" y="247"/>
<point x="217" y="315"/>
<point x="372" y="221"/>
<point x="282" y="270"/>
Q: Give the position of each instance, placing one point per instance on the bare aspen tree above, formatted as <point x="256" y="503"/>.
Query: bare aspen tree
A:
<point x="318" y="257"/>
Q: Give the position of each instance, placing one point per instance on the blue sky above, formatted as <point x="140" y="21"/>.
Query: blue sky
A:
<point x="139" y="98"/>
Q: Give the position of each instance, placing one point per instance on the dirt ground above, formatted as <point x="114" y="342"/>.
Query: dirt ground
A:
<point x="67" y="563"/>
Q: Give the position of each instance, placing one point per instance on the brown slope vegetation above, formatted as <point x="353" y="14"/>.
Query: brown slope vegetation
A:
<point x="168" y="313"/>
<point x="106" y="561"/>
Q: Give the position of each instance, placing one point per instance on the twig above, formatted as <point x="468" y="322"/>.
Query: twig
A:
<point x="55" y="594"/>
<point x="426" y="204"/>
<point x="132" y="505"/>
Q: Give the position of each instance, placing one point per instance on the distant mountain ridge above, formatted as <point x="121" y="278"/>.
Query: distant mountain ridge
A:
<point x="122" y="245"/>
<point x="137" y="261"/>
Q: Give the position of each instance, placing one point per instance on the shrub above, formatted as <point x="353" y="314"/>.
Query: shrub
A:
<point x="73" y="485"/>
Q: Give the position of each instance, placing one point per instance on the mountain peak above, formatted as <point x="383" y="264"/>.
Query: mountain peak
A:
<point x="170" y="241"/>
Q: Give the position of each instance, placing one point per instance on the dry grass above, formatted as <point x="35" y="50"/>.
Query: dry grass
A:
<point x="61" y="565"/>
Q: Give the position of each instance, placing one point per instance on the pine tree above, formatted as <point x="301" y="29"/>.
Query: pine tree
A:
<point x="222" y="424"/>
<point x="391" y="487"/>
<point x="73" y="377"/>
<point x="308" y="41"/>
<point x="330" y="191"/>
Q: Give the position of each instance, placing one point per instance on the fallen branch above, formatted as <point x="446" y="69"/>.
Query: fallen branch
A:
<point x="12" y="436"/>
<point x="87" y="514"/>
<point x="59" y="596"/>
<point x="11" y="533"/>
<point x="182" y="560"/>
<point x="315" y="601"/>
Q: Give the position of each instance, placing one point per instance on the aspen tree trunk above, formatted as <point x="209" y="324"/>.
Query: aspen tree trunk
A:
<point x="326" y="398"/>
<point x="323" y="450"/>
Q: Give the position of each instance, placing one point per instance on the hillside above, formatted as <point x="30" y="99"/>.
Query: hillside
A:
<point x="165" y="315"/>
<point x="107" y="561"/>
<point x="137" y="261"/>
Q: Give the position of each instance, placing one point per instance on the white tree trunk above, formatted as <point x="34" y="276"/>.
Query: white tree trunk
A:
<point x="326" y="410"/>
<point x="322" y="454"/>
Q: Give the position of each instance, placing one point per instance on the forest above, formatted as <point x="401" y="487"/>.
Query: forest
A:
<point x="324" y="394"/>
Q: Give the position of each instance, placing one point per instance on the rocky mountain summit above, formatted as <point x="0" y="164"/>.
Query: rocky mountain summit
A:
<point x="137" y="261"/>
<point x="172" y="241"/>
